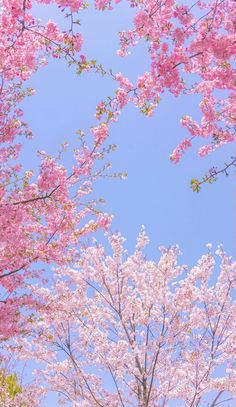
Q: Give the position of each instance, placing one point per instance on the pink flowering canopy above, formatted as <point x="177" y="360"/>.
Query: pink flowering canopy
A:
<point x="157" y="335"/>
<point x="192" y="51"/>
<point x="119" y="330"/>
<point x="43" y="214"/>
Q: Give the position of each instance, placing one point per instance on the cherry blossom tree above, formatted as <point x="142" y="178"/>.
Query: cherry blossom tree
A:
<point x="44" y="214"/>
<point x="192" y="51"/>
<point x="121" y="330"/>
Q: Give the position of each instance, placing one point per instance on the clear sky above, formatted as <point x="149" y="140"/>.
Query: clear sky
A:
<point x="156" y="192"/>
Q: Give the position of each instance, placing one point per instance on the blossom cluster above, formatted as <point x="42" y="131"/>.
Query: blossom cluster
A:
<point x="121" y="330"/>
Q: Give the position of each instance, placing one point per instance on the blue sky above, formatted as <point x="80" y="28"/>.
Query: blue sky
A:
<point x="156" y="193"/>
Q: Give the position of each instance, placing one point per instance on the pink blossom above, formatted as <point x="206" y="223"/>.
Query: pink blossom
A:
<point x="204" y="150"/>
